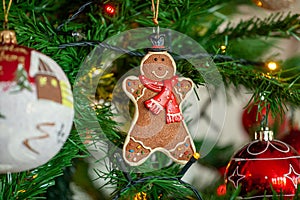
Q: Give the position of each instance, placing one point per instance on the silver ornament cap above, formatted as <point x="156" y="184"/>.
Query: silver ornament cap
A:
<point x="264" y="134"/>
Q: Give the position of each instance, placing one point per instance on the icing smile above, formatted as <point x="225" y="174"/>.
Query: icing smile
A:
<point x="163" y="76"/>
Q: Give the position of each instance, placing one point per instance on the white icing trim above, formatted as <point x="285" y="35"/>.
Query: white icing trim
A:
<point x="134" y="120"/>
<point x="141" y="143"/>
<point x="163" y="76"/>
<point x="143" y="92"/>
<point x="180" y="95"/>
<point x="180" y="107"/>
<point x="180" y="143"/>
<point x="186" y="79"/>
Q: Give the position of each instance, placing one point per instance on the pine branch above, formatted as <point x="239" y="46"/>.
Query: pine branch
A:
<point x="32" y="184"/>
<point x="160" y="184"/>
<point x="279" y="25"/>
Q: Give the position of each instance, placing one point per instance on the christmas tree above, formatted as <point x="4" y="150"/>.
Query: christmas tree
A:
<point x="99" y="43"/>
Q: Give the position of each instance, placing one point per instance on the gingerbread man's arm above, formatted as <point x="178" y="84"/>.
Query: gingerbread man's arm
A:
<point x="183" y="88"/>
<point x="133" y="87"/>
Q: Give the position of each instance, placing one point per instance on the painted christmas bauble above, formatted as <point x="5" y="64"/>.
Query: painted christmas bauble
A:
<point x="263" y="167"/>
<point x="274" y="4"/>
<point x="292" y="138"/>
<point x="251" y="120"/>
<point x="36" y="108"/>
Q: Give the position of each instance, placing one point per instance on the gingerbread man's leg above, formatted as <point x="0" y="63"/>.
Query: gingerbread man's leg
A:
<point x="183" y="151"/>
<point x="135" y="152"/>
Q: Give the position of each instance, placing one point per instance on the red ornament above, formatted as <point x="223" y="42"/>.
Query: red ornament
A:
<point x="109" y="9"/>
<point x="221" y="190"/>
<point x="252" y="120"/>
<point x="262" y="165"/>
<point x="293" y="138"/>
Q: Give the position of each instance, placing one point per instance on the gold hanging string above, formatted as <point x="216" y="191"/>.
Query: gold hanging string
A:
<point x="155" y="11"/>
<point x="6" y="11"/>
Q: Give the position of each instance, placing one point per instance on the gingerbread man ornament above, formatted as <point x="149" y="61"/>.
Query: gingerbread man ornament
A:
<point x="158" y="124"/>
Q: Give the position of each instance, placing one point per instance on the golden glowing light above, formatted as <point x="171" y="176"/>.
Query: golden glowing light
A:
<point x="140" y="196"/>
<point x="223" y="48"/>
<point x="259" y="3"/>
<point x="272" y="65"/>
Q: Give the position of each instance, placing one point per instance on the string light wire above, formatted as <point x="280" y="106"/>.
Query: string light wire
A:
<point x="74" y="16"/>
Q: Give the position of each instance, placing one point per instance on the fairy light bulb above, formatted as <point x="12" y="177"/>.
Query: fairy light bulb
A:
<point x="274" y="5"/>
<point x="109" y="9"/>
<point x="223" y="48"/>
<point x="272" y="65"/>
<point x="259" y="3"/>
<point x="221" y="190"/>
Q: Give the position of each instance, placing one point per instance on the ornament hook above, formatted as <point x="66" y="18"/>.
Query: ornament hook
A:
<point x="6" y="11"/>
<point x="155" y="11"/>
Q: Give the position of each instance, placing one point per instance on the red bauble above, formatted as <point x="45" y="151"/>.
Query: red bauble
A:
<point x="252" y="120"/>
<point x="109" y="9"/>
<point x="261" y="164"/>
<point x="293" y="138"/>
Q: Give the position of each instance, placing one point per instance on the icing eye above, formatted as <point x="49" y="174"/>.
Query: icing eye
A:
<point x="155" y="59"/>
<point x="162" y="59"/>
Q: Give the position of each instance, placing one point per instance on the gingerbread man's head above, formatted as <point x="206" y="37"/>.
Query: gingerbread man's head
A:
<point x="158" y="66"/>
